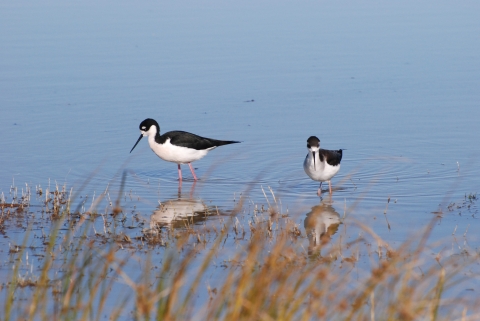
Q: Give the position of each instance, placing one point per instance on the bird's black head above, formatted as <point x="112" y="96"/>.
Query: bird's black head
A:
<point x="147" y="127"/>
<point x="147" y="124"/>
<point x="313" y="141"/>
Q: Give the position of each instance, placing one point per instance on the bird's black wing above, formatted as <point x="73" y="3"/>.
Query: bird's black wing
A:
<point x="333" y="157"/>
<point x="189" y="140"/>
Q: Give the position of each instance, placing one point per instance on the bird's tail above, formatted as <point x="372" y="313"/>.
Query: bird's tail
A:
<point x="225" y="142"/>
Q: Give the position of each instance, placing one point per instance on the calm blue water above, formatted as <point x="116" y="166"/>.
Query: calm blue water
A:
<point x="395" y="84"/>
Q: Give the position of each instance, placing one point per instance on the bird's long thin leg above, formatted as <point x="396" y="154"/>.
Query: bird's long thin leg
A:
<point x="330" y="187"/>
<point x="193" y="172"/>
<point x="179" y="173"/>
<point x="319" y="192"/>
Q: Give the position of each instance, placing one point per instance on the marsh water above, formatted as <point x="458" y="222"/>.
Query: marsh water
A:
<point x="394" y="84"/>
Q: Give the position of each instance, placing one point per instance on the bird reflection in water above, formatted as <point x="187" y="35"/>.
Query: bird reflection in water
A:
<point x="179" y="213"/>
<point x="320" y="225"/>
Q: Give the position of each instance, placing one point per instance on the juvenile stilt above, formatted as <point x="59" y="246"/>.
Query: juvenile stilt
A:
<point x="321" y="164"/>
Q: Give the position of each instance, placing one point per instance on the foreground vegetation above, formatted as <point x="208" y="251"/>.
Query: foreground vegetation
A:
<point x="89" y="267"/>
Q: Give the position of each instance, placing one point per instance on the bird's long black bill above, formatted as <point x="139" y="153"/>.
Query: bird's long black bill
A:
<point x="141" y="136"/>
<point x="314" y="167"/>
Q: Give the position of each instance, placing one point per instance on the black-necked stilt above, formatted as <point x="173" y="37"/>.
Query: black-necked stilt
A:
<point x="321" y="164"/>
<point x="177" y="146"/>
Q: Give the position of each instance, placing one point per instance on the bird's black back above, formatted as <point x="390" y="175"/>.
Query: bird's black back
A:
<point x="333" y="157"/>
<point x="189" y="140"/>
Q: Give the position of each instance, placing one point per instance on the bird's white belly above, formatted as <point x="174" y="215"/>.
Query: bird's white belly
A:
<point x="322" y="172"/>
<point x="176" y="154"/>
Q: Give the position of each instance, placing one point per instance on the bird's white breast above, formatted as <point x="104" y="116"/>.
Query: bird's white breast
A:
<point x="321" y="171"/>
<point x="176" y="154"/>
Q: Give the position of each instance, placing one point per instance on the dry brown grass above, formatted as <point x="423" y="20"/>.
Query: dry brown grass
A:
<point x="269" y="276"/>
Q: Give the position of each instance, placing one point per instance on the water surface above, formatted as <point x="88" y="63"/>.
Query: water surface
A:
<point x="395" y="84"/>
